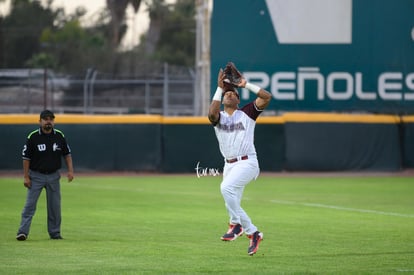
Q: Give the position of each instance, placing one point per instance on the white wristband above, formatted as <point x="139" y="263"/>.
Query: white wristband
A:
<point x="219" y="93"/>
<point x="253" y="88"/>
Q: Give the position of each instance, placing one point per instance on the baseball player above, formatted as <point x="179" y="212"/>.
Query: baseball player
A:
<point x="234" y="128"/>
<point x="42" y="156"/>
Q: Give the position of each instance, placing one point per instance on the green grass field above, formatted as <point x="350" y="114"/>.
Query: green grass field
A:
<point x="172" y="224"/>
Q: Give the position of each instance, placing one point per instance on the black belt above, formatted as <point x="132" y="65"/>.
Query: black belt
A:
<point x="236" y="159"/>
<point x="45" y="172"/>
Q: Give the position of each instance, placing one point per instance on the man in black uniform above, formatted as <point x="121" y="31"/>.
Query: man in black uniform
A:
<point x="42" y="158"/>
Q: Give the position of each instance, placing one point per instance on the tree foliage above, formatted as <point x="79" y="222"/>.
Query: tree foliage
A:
<point x="117" y="8"/>
<point x="71" y="48"/>
<point x="36" y="35"/>
<point x="21" y="29"/>
<point x="175" y="42"/>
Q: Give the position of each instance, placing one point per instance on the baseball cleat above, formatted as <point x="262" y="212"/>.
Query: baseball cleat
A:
<point x="255" y="240"/>
<point x="21" y="237"/>
<point x="235" y="230"/>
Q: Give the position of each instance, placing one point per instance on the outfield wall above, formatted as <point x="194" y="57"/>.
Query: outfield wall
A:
<point x="407" y="141"/>
<point x="293" y="142"/>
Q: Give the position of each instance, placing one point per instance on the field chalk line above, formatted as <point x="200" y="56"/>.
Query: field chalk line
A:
<point x="343" y="208"/>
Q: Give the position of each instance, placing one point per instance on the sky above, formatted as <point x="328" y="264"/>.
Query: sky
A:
<point x="137" y="23"/>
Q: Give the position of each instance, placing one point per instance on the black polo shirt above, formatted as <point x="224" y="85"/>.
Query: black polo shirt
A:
<point x="45" y="151"/>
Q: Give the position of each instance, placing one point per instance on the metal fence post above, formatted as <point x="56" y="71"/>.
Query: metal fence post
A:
<point x="85" y="90"/>
<point x="91" y="91"/>
<point x="165" y="91"/>
<point x="44" y="88"/>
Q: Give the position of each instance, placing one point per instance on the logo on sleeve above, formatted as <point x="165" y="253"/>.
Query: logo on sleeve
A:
<point x="24" y="150"/>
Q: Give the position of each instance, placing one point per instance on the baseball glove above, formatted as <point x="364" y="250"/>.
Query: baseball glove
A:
<point x="233" y="76"/>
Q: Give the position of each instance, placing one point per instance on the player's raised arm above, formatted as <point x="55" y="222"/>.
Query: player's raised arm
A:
<point x="237" y="79"/>
<point x="214" y="110"/>
<point x="263" y="96"/>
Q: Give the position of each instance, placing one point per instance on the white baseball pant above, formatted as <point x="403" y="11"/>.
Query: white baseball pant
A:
<point x="235" y="178"/>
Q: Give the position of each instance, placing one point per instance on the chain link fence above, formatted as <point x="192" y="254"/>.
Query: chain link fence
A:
<point x="166" y="90"/>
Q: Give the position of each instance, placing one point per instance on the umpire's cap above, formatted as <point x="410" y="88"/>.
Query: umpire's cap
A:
<point x="46" y="113"/>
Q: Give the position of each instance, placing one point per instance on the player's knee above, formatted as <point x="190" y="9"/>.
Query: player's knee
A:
<point x="226" y="190"/>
